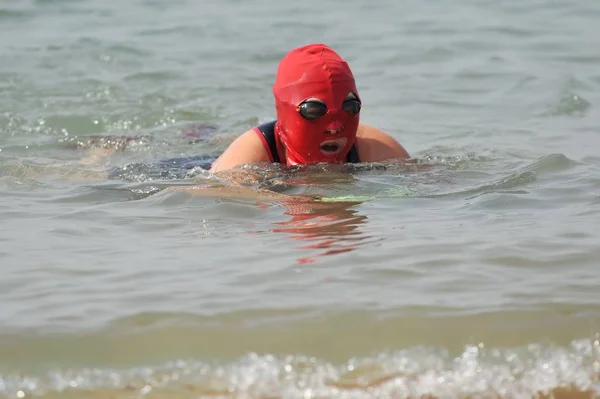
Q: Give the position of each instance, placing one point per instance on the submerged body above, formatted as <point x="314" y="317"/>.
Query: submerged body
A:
<point x="318" y="110"/>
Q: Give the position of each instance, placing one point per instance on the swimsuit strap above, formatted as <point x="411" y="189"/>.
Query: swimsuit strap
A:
<point x="268" y="132"/>
<point x="352" y="156"/>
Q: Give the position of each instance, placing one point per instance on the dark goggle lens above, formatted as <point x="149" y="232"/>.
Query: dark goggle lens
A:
<point x="352" y="106"/>
<point x="312" y="109"/>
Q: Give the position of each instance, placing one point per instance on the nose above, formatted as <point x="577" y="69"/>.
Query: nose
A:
<point x="334" y="128"/>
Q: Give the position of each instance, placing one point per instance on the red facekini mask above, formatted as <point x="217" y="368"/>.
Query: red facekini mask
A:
<point x="322" y="129"/>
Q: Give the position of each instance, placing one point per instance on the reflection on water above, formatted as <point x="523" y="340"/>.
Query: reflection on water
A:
<point x="332" y="227"/>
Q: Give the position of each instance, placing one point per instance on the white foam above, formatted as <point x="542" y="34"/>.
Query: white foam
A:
<point x="416" y="372"/>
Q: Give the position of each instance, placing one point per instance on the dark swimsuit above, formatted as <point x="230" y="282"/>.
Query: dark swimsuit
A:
<point x="268" y="134"/>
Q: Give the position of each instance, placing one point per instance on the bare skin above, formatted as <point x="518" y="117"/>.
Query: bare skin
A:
<point x="373" y="145"/>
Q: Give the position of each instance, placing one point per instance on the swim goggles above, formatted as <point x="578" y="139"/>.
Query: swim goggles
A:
<point x="312" y="109"/>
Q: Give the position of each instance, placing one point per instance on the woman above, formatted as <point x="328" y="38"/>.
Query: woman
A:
<point x="318" y="110"/>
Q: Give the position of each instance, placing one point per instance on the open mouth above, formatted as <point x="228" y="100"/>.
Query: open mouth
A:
<point x="332" y="147"/>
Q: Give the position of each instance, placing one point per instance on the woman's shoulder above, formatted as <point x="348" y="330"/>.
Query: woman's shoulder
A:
<point x="375" y="145"/>
<point x="247" y="148"/>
